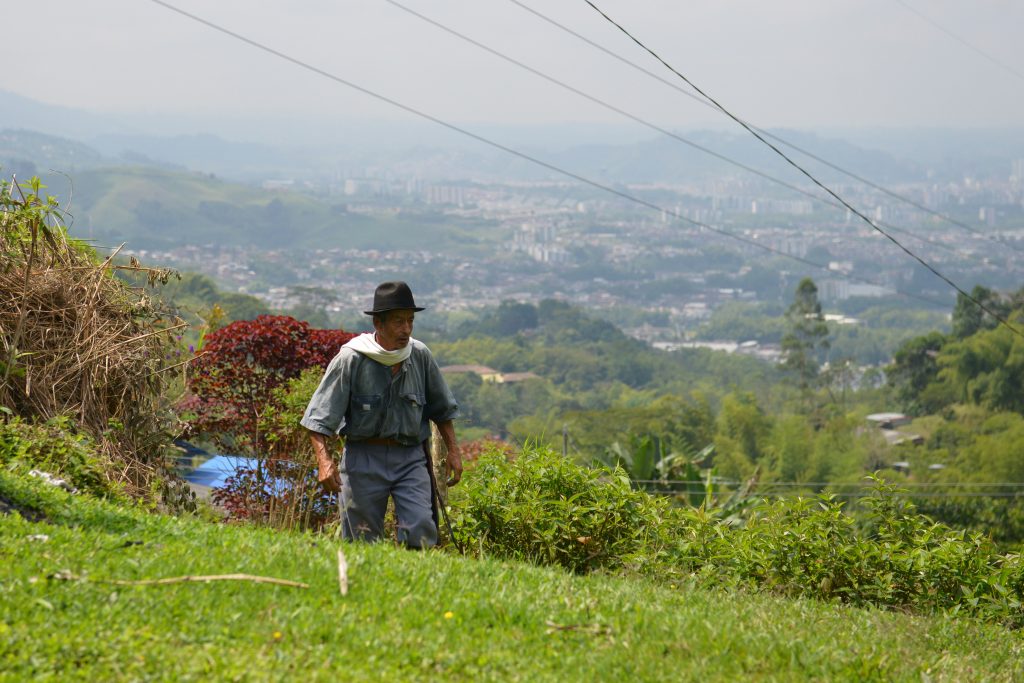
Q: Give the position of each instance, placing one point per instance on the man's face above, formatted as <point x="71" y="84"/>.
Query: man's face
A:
<point x="394" y="329"/>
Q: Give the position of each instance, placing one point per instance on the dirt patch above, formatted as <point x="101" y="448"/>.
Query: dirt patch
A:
<point x="7" y="506"/>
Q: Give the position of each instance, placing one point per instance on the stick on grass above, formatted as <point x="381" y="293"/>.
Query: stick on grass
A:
<point x="68" y="576"/>
<point x="342" y="573"/>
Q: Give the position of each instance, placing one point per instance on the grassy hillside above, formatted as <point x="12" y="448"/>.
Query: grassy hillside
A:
<point x="158" y="208"/>
<point x="27" y="153"/>
<point x="409" y="616"/>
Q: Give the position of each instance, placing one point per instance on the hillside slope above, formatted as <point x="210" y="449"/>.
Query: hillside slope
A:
<point x="409" y="616"/>
<point x="156" y="208"/>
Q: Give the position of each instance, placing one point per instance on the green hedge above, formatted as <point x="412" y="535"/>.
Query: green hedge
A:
<point x="548" y="510"/>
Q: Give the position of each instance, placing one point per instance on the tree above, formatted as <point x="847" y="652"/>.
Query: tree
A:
<point x="512" y="317"/>
<point x="969" y="318"/>
<point x="914" y="367"/>
<point x="807" y="337"/>
<point x="987" y="369"/>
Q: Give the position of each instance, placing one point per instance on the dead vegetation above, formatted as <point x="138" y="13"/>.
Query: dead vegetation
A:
<point x="77" y="342"/>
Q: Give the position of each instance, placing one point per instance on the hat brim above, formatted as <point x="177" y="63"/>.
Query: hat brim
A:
<point x="417" y="309"/>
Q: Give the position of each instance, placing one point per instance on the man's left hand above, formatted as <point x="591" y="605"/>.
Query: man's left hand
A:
<point x="453" y="464"/>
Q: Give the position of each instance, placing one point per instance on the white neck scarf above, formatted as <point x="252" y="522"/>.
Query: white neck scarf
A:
<point x="367" y="345"/>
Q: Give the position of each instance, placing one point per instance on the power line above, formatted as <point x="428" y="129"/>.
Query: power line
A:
<point x="510" y="150"/>
<point x="814" y="180"/>
<point x="962" y="41"/>
<point x="700" y="490"/>
<point x="652" y="126"/>
<point x="820" y="484"/>
<point x="766" y="133"/>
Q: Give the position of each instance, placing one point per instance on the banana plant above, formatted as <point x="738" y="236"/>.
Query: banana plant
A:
<point x="649" y="468"/>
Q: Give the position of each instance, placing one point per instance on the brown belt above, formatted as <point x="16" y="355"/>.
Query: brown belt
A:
<point x="377" y="441"/>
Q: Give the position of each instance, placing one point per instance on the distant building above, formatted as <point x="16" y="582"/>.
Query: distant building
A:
<point x="489" y="374"/>
<point x="889" y="420"/>
<point x="512" y="377"/>
<point x="839" y="319"/>
<point x="887" y="423"/>
<point x="1017" y="171"/>
<point x="445" y="194"/>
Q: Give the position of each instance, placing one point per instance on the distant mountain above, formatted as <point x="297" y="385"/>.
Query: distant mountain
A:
<point x="17" y="112"/>
<point x="27" y="153"/>
<point x="947" y="153"/>
<point x="666" y="159"/>
<point x="209" y="154"/>
<point x="252" y="148"/>
<point x="154" y="208"/>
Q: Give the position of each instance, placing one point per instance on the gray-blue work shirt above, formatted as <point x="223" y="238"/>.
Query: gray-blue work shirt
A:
<point x="360" y="398"/>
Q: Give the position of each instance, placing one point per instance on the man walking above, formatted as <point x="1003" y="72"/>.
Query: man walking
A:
<point x="380" y="393"/>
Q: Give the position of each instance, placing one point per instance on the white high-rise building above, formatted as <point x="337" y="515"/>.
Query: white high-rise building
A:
<point x="1017" y="171"/>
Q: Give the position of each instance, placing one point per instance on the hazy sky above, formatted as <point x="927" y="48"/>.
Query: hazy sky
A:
<point x="798" y="63"/>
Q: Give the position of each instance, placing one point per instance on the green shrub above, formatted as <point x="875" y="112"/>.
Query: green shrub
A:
<point x="281" y="489"/>
<point x="58" y="448"/>
<point x="892" y="557"/>
<point x="546" y="509"/>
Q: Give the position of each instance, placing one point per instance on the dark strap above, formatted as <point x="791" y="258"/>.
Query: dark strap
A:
<point x="434" y="502"/>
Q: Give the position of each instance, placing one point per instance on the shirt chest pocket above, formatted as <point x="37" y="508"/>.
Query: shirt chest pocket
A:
<point x="366" y="403"/>
<point x="364" y="414"/>
<point x="410" y="412"/>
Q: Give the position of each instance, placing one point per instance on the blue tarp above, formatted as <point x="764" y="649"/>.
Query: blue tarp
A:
<point x="216" y="470"/>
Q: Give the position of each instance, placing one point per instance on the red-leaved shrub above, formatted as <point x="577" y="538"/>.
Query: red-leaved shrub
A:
<point x="231" y="382"/>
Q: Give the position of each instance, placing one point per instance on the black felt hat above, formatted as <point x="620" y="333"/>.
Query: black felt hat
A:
<point x="392" y="296"/>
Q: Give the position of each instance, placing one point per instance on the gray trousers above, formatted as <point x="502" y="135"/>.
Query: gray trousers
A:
<point x="370" y="473"/>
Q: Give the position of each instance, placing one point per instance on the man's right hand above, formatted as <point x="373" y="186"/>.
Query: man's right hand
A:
<point x="328" y="474"/>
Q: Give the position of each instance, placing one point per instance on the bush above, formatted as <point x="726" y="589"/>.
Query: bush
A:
<point x="232" y="381"/>
<point x="278" y="493"/>
<point x="545" y="509"/>
<point x="892" y="557"/>
<point x="282" y="490"/>
<point x="58" y="448"/>
<point x="77" y="341"/>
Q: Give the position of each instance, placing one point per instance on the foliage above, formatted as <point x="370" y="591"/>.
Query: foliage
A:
<point x="980" y="363"/>
<point x="882" y="327"/>
<point x="680" y="425"/>
<point x="76" y="342"/>
<point x="913" y="369"/>
<point x="584" y="355"/>
<point x="986" y="369"/>
<point x="232" y="381"/>
<point x="543" y="508"/>
<point x="806" y="338"/>
<point x="196" y="293"/>
<point x="541" y="625"/>
<point x="282" y="489"/>
<point x="508" y="319"/>
<point x="651" y="468"/>
<point x="892" y="556"/>
<point x="969" y="318"/>
<point x="283" y="494"/>
<point x="58" y="448"/>
<point x="472" y="451"/>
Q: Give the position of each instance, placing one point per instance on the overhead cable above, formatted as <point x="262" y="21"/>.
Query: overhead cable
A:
<point x="814" y="180"/>
<point x="962" y="41"/>
<point x="653" y="126"/>
<point x="866" y="181"/>
<point x="514" y="152"/>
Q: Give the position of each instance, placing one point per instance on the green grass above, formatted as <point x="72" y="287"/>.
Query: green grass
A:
<point x="506" y="621"/>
